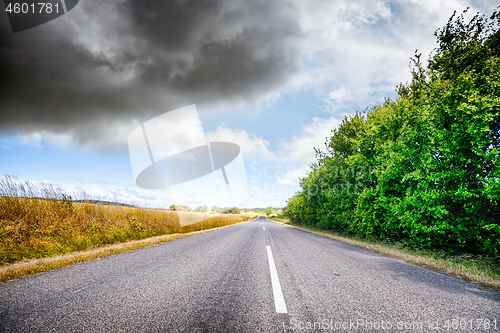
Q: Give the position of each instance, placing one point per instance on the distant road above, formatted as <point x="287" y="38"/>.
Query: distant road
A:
<point x="259" y="276"/>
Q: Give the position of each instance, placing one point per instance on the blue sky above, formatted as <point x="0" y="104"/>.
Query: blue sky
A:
<point x="281" y="85"/>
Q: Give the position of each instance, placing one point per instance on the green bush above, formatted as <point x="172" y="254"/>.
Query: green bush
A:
<point x="424" y="168"/>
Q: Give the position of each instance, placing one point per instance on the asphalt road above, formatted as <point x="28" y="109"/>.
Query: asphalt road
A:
<point x="259" y="276"/>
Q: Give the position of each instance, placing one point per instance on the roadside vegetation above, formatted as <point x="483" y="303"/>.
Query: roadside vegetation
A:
<point x="422" y="170"/>
<point x="43" y="222"/>
<point x="479" y="269"/>
<point x="204" y="209"/>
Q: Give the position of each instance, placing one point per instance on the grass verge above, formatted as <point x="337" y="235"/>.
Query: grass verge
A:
<point x="479" y="270"/>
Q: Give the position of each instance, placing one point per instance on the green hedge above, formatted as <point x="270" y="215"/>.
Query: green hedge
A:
<point x="424" y="168"/>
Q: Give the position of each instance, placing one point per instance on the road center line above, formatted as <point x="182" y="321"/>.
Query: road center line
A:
<point x="279" y="301"/>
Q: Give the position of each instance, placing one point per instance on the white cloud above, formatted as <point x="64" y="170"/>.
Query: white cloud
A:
<point x="301" y="148"/>
<point x="4" y="147"/>
<point x="340" y="95"/>
<point x="113" y="135"/>
<point x="185" y="156"/>
<point x="250" y="144"/>
<point x="33" y="139"/>
<point x="359" y="50"/>
<point x="59" y="139"/>
<point x="286" y="182"/>
<point x="134" y="196"/>
<point x="96" y="192"/>
<point x="292" y="176"/>
<point x="270" y="196"/>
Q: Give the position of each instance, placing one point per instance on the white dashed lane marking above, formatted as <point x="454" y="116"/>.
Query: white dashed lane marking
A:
<point x="279" y="301"/>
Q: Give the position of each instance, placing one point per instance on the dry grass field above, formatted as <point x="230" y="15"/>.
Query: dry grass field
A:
<point x="43" y="222"/>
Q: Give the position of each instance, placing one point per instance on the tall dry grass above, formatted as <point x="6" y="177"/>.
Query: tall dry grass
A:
<point x="38" y="222"/>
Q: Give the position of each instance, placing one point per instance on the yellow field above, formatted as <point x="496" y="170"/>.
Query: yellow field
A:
<point x="38" y="223"/>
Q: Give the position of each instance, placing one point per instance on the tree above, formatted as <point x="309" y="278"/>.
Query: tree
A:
<point x="201" y="209"/>
<point x="172" y="207"/>
<point x="232" y="210"/>
<point x="182" y="208"/>
<point x="425" y="167"/>
<point x="269" y="210"/>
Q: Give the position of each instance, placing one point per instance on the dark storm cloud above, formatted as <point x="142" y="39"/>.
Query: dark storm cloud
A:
<point x="108" y="61"/>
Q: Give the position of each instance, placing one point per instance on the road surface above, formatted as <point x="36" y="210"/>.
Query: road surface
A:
<point x="259" y="276"/>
